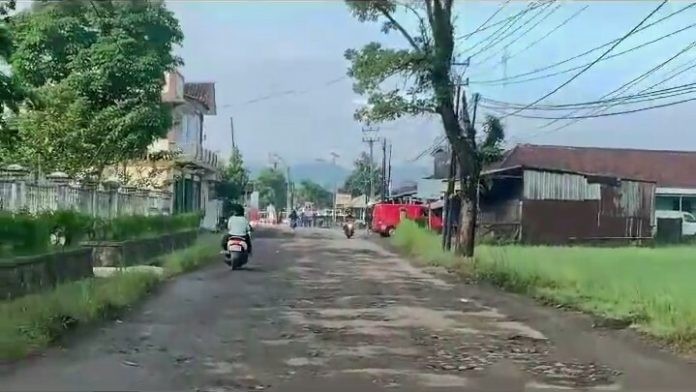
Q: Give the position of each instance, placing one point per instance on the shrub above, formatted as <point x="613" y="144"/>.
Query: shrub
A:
<point x="23" y="233"/>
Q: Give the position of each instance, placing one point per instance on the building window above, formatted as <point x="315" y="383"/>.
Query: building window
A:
<point x="686" y="204"/>
<point x="675" y="204"/>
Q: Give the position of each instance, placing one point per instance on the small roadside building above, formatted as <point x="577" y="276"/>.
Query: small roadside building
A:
<point x="539" y="205"/>
<point x="673" y="172"/>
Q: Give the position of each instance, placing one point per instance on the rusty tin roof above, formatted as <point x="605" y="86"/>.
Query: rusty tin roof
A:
<point x="666" y="168"/>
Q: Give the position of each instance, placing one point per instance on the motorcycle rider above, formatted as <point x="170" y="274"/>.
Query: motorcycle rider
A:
<point x="349" y="219"/>
<point x="238" y="226"/>
<point x="293" y="218"/>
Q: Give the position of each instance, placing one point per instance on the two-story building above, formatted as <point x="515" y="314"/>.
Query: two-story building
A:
<point x="178" y="163"/>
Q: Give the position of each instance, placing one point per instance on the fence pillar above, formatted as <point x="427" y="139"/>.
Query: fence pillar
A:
<point x="60" y="181"/>
<point x="111" y="185"/>
<point x="17" y="176"/>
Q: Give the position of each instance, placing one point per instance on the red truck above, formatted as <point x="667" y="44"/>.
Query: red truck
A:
<point x="386" y="216"/>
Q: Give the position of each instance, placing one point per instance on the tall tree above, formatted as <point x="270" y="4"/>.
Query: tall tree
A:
<point x="310" y="191"/>
<point x="423" y="68"/>
<point x="233" y="182"/>
<point x="358" y="182"/>
<point x="11" y="93"/>
<point x="235" y="177"/>
<point x="98" y="69"/>
<point x="272" y="187"/>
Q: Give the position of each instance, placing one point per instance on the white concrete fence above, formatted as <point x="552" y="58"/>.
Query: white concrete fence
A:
<point x="59" y="192"/>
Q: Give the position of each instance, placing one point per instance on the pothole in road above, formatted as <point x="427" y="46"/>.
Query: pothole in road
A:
<point x="303" y="361"/>
<point x="432" y="380"/>
<point x="365" y="351"/>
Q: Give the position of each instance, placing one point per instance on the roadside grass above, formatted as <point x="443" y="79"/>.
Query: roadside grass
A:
<point x="33" y="322"/>
<point x="651" y="288"/>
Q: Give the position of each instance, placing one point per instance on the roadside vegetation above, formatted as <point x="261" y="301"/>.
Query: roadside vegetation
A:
<point x="26" y="234"/>
<point x="35" y="321"/>
<point x="649" y="288"/>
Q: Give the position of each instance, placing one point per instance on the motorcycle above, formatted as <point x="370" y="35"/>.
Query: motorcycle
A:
<point x="237" y="253"/>
<point x="348" y="229"/>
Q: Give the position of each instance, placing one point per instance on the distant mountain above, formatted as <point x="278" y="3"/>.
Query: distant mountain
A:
<point x="322" y="173"/>
<point x="327" y="175"/>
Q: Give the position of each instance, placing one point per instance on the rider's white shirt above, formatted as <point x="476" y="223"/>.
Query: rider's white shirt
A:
<point x="237" y="225"/>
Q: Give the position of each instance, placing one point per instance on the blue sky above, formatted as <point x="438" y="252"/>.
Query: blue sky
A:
<point x="256" y="48"/>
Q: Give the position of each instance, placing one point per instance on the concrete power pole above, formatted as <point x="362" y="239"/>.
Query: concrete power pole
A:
<point x="389" y="171"/>
<point x="234" y="144"/>
<point x="335" y="190"/>
<point x="383" y="191"/>
<point x="370" y="140"/>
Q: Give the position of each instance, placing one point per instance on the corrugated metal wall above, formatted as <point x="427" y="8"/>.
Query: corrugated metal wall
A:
<point x="540" y="185"/>
<point x="555" y="211"/>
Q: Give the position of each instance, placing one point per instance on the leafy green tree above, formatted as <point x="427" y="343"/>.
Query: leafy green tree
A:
<point x="418" y="79"/>
<point x="97" y="67"/>
<point x="310" y="191"/>
<point x="272" y="187"/>
<point x="358" y="182"/>
<point x="234" y="181"/>
<point x="235" y="177"/>
<point x="11" y="93"/>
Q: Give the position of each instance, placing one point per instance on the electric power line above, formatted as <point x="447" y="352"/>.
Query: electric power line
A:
<point x="485" y="22"/>
<point x="553" y="30"/>
<point x="632" y="31"/>
<point x="287" y="92"/>
<point x="502" y="29"/>
<point x="633" y="81"/>
<point x="544" y="68"/>
<point x="628" y="84"/>
<point x="535" y="25"/>
<point x="567" y="70"/>
<point x="503" y="36"/>
<point x="634" y="98"/>
<point x="618" y="113"/>
<point x="481" y="28"/>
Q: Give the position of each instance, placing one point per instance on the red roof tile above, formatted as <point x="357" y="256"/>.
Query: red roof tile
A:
<point x="666" y="168"/>
<point x="202" y="92"/>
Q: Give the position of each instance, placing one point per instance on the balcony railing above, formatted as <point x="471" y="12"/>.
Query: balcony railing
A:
<point x="189" y="153"/>
<point x="195" y="153"/>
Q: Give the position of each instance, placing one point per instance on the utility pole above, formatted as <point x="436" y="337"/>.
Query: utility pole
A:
<point x="447" y="229"/>
<point x="370" y="140"/>
<point x="383" y="179"/>
<point x="335" y="198"/>
<point x="234" y="145"/>
<point x="389" y="169"/>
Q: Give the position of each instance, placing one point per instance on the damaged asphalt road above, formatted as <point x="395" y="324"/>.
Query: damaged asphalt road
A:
<point x="317" y="312"/>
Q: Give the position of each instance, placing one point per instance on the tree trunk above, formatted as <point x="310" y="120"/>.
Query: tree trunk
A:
<point x="468" y="216"/>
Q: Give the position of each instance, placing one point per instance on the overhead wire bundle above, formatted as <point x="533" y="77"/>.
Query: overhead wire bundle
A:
<point x="590" y="65"/>
<point x="511" y="79"/>
<point x="544" y="16"/>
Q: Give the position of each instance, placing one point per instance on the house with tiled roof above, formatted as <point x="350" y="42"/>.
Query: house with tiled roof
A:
<point x="178" y="163"/>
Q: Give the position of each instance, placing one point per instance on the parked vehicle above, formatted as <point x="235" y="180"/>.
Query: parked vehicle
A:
<point x="386" y="217"/>
<point x="687" y="218"/>
<point x="237" y="254"/>
<point x="349" y="229"/>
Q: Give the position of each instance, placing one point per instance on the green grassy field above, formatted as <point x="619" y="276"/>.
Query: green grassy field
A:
<point x="34" y="321"/>
<point x="651" y="287"/>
